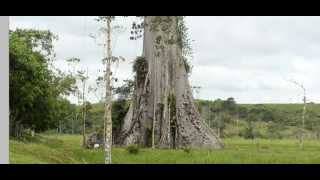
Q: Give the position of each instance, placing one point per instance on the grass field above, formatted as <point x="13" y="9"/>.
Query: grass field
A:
<point x="66" y="149"/>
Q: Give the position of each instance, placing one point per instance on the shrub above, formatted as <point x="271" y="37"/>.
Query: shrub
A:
<point x="187" y="150"/>
<point x="133" y="149"/>
<point x="28" y="136"/>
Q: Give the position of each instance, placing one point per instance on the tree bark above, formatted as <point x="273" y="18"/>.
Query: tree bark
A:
<point x="163" y="102"/>
<point x="107" y="115"/>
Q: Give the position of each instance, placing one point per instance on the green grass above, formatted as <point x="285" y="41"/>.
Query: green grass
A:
<point x="66" y="149"/>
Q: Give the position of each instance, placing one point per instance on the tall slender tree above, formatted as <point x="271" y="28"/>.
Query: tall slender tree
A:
<point x="108" y="103"/>
<point x="108" y="60"/>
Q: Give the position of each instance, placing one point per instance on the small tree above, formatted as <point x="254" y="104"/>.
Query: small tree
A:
<point x="98" y="89"/>
<point x="74" y="62"/>
<point x="303" y="110"/>
<point x="83" y="78"/>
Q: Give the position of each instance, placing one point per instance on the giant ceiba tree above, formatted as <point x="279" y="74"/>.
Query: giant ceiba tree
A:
<point x="163" y="113"/>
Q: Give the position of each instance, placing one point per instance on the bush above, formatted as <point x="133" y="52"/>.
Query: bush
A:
<point x="187" y="150"/>
<point x="28" y="136"/>
<point x="50" y="132"/>
<point x="133" y="149"/>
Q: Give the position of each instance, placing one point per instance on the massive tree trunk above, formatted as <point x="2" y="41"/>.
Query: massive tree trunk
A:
<point x="163" y="113"/>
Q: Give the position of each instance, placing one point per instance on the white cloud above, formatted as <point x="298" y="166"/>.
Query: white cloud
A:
<point x="248" y="58"/>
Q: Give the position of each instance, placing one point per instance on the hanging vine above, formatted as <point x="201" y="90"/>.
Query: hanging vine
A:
<point x="184" y="42"/>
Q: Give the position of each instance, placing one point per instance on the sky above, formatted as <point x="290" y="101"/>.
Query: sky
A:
<point x="248" y="58"/>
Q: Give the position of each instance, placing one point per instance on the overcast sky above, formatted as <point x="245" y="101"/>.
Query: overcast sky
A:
<point x="248" y="58"/>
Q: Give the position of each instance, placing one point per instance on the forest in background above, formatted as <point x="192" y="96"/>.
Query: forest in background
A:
<point x="227" y="118"/>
